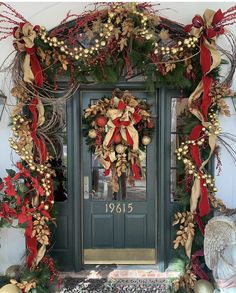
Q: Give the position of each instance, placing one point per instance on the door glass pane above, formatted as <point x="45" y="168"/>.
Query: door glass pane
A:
<point x="101" y="185"/>
<point x="179" y="115"/>
<point x="179" y="111"/>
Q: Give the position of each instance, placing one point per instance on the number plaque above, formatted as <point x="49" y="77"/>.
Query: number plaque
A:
<point x="119" y="208"/>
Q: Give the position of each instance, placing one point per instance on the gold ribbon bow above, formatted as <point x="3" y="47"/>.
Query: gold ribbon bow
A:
<point x="25" y="39"/>
<point x="124" y="116"/>
<point x="102" y="156"/>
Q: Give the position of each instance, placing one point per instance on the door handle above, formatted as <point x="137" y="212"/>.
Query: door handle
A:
<point x="86" y="187"/>
<point x="87" y="192"/>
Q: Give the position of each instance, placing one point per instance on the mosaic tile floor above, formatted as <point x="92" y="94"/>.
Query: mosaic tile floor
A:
<point x="73" y="285"/>
<point x="117" y="279"/>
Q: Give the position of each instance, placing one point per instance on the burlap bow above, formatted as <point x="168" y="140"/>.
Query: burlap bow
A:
<point x="25" y="36"/>
<point x="122" y="121"/>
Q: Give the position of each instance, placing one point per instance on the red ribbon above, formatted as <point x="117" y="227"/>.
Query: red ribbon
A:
<point x="31" y="244"/>
<point x="40" y="144"/>
<point x="35" y="66"/>
<point x="203" y="204"/>
<point x="200" y="224"/>
<point x="206" y="98"/>
<point x="118" y="124"/>
<point x="196" y="265"/>
<point x="135" y="170"/>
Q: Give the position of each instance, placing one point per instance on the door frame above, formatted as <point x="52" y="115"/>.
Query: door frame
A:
<point x="164" y="206"/>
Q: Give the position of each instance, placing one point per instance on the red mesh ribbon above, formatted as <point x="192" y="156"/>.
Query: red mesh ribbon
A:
<point x="203" y="204"/>
<point x="40" y="144"/>
<point x="135" y="170"/>
<point x="35" y="66"/>
<point x="196" y="265"/>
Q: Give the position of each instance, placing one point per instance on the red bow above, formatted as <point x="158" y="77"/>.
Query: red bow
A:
<point x="209" y="32"/>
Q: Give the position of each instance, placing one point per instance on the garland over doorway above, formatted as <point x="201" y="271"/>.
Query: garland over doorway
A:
<point x="99" y="46"/>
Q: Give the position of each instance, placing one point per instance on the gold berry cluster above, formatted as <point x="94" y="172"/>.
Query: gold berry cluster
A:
<point x="76" y="52"/>
<point x="22" y="141"/>
<point x="190" y="42"/>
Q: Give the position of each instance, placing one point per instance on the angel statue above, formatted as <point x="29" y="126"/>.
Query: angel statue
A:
<point x="220" y="252"/>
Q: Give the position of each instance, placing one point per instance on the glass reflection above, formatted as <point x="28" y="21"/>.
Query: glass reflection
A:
<point x="101" y="185"/>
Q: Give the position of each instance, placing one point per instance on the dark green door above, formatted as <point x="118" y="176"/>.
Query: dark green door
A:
<point x="121" y="229"/>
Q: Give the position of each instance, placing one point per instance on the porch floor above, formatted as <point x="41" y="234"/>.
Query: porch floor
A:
<point x="117" y="279"/>
<point x="120" y="272"/>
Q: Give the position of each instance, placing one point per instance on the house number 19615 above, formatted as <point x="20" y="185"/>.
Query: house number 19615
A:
<point x="119" y="208"/>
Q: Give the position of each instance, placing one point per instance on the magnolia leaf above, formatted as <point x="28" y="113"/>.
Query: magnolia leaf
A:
<point x="11" y="172"/>
<point x="176" y="245"/>
<point x="96" y="26"/>
<point x="116" y="32"/>
<point x="182" y="220"/>
<point x="175" y="222"/>
<point x="127" y="27"/>
<point x="123" y="43"/>
<point x="118" y="20"/>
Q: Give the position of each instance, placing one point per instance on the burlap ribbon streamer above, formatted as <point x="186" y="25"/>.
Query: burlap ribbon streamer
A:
<point x="40" y="254"/>
<point x="25" y="36"/>
<point x="105" y="157"/>
<point x="209" y="59"/>
<point x="124" y="124"/>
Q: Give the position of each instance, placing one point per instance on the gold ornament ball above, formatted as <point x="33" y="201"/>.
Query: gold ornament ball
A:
<point x="10" y="288"/>
<point x="146" y="140"/>
<point x="92" y="133"/>
<point x="120" y="148"/>
<point x="46" y="207"/>
<point x="203" y="286"/>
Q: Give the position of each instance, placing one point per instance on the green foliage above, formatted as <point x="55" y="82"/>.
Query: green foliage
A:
<point x="4" y="280"/>
<point x="42" y="277"/>
<point x="175" y="79"/>
<point x="4" y="223"/>
<point x="178" y="264"/>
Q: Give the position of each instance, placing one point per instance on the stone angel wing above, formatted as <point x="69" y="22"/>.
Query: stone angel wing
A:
<point x="220" y="232"/>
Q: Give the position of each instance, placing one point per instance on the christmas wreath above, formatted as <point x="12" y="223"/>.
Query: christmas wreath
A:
<point x="117" y="131"/>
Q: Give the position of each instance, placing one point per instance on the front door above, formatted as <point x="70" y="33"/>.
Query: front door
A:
<point x="119" y="228"/>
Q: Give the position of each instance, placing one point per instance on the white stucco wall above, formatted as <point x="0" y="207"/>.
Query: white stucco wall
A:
<point x="50" y="14"/>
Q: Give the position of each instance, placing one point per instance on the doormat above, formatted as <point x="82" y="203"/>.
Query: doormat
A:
<point x="72" y="285"/>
